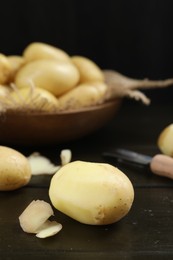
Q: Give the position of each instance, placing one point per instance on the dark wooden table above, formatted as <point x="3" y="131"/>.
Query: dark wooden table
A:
<point x="145" y="233"/>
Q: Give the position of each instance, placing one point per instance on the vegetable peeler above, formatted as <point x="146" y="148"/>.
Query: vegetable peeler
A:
<point x="159" y="164"/>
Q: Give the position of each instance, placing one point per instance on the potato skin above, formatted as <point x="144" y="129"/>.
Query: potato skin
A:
<point x="15" y="170"/>
<point x="91" y="193"/>
<point x="52" y="75"/>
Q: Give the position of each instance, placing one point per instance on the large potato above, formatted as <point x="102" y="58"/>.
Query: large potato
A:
<point x="15" y="170"/>
<point x="89" y="70"/>
<point x="52" y="75"/>
<point x="91" y="193"/>
<point x="39" y="50"/>
<point x="84" y="95"/>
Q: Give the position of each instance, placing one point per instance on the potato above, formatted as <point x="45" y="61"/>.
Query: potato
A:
<point x="55" y="76"/>
<point x="38" y="50"/>
<point x="89" y="71"/>
<point x="16" y="63"/>
<point x="5" y="69"/>
<point x="35" y="99"/>
<point x="15" y="170"/>
<point x="84" y="95"/>
<point x="91" y="193"/>
<point x="165" y="140"/>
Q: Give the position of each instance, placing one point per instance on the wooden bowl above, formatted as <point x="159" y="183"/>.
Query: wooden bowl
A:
<point x="46" y="128"/>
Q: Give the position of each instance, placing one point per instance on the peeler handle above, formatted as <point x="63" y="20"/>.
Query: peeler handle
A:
<point x="162" y="165"/>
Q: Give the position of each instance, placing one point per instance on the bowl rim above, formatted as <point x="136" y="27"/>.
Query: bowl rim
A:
<point x="115" y="102"/>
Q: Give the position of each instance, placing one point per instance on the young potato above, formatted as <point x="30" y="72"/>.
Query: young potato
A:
<point x="35" y="99"/>
<point x="16" y="63"/>
<point x="55" y="76"/>
<point x="39" y="50"/>
<point x="165" y="140"/>
<point x="5" y="69"/>
<point x="91" y="193"/>
<point x="15" y="170"/>
<point x="89" y="71"/>
<point x="84" y="95"/>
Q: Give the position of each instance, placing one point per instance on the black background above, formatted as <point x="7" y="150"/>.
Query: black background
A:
<point x="133" y="37"/>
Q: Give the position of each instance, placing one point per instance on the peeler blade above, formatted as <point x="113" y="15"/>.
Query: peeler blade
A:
<point x="128" y="157"/>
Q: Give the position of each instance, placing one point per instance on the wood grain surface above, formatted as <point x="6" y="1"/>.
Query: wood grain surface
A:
<point x="146" y="232"/>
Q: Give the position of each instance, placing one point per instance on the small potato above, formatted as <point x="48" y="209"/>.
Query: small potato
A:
<point x="165" y="140"/>
<point x="55" y="76"/>
<point x="89" y="71"/>
<point x="15" y="170"/>
<point x="84" y="95"/>
<point x="38" y="50"/>
<point x="91" y="193"/>
<point x="35" y="99"/>
<point x="5" y="69"/>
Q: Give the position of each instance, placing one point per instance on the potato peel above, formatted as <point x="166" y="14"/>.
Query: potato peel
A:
<point x="41" y="164"/>
<point x="35" y="214"/>
<point x="49" y="228"/>
<point x="65" y="156"/>
<point x="34" y="219"/>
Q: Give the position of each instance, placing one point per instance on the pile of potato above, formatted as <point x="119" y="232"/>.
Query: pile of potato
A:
<point x="45" y="78"/>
